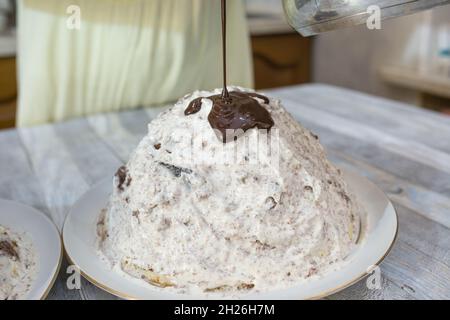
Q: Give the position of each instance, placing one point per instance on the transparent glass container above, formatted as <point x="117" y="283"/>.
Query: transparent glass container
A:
<point x="310" y="17"/>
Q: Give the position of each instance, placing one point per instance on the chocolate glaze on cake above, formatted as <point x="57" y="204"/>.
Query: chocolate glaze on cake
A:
<point x="236" y="110"/>
<point x="240" y="111"/>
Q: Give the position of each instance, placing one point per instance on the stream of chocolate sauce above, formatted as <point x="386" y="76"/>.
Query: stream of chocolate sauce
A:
<point x="233" y="112"/>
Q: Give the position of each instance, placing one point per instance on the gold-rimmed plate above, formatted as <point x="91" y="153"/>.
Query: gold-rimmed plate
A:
<point x="378" y="233"/>
<point x="46" y="241"/>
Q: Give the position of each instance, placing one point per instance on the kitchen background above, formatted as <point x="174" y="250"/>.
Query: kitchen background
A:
<point x="408" y="60"/>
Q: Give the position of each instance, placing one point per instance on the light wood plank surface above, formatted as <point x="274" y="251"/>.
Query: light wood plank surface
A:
<point x="403" y="149"/>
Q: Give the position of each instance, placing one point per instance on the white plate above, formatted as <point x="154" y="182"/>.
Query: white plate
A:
<point x="45" y="238"/>
<point x="380" y="231"/>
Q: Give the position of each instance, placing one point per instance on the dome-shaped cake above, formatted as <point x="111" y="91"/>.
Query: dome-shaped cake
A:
<point x="190" y="212"/>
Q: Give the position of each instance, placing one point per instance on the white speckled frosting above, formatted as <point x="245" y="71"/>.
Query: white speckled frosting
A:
<point x="16" y="273"/>
<point x="227" y="227"/>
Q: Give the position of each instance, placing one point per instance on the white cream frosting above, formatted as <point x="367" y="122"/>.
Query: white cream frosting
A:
<point x="233" y="226"/>
<point x="17" y="273"/>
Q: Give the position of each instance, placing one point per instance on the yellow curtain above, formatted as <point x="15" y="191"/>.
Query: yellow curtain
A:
<point x="126" y="54"/>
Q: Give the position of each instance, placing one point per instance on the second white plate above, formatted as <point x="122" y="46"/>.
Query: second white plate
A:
<point x="377" y="238"/>
<point x="45" y="238"/>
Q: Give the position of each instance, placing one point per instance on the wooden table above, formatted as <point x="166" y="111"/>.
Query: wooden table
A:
<point x="403" y="149"/>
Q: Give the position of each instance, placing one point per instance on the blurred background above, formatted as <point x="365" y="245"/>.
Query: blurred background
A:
<point x="408" y="60"/>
